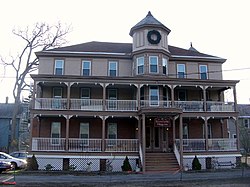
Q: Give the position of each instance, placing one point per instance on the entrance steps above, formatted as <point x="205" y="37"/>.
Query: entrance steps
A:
<point x="161" y="162"/>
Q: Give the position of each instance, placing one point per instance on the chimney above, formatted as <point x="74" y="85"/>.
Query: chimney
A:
<point x="7" y="100"/>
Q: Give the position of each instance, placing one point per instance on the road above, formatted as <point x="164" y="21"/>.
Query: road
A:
<point x="212" y="178"/>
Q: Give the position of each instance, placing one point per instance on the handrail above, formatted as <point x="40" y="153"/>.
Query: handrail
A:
<point x="177" y="154"/>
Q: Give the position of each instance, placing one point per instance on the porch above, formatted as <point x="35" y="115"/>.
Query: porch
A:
<point x="130" y="105"/>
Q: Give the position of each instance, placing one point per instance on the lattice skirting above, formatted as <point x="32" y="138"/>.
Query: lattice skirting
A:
<point x="85" y="163"/>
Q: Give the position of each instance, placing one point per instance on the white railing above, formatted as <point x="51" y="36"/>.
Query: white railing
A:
<point x="190" y="106"/>
<point x="192" y="145"/>
<point x="177" y="154"/>
<point x="121" y="105"/>
<point x="155" y="103"/>
<point x="220" y="106"/>
<point x="51" y="103"/>
<point x="86" y="104"/>
<point x="48" y="144"/>
<point x="85" y="145"/>
<point x="121" y="145"/>
<point x="222" y="145"/>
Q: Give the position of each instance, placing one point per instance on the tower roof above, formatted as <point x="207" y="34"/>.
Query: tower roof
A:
<point x="149" y="20"/>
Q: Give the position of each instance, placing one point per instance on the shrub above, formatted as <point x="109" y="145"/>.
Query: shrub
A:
<point x="196" y="164"/>
<point x="32" y="163"/>
<point x="126" y="165"/>
<point x="48" y="167"/>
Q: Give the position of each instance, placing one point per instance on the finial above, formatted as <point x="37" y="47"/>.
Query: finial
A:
<point x="191" y="44"/>
<point x="149" y="13"/>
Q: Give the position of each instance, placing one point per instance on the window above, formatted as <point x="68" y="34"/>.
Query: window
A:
<point x="59" y="67"/>
<point x="84" y="133"/>
<point x="203" y="72"/>
<point x="113" y="69"/>
<point x="165" y="66"/>
<point x="55" y="132"/>
<point x="185" y="134"/>
<point x="246" y="123"/>
<point x="153" y="61"/>
<point x="112" y="134"/>
<point x="154" y="96"/>
<point x="112" y="95"/>
<point x="234" y="136"/>
<point x="86" y="67"/>
<point x="140" y="65"/>
<point x="182" y="96"/>
<point x="181" y="72"/>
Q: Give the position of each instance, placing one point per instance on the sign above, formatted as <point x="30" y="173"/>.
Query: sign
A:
<point x="162" y="122"/>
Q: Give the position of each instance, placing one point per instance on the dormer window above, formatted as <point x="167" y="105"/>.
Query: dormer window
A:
<point x="140" y="65"/>
<point x="59" y="64"/>
<point x="153" y="61"/>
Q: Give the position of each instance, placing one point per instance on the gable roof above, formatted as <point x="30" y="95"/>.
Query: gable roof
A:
<point x="244" y="110"/>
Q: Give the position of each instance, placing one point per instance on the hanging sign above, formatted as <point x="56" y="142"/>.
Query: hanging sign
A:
<point x="162" y="122"/>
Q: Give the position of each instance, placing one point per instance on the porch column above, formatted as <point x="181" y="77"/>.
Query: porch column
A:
<point x="172" y="95"/>
<point x="143" y="142"/>
<point x="204" y="98"/>
<point x="174" y="131"/>
<point x="181" y="141"/>
<point x="68" y="96"/>
<point x="235" y="100"/>
<point x="31" y="131"/>
<point x="139" y="96"/>
<point x="104" y="96"/>
<point x="237" y="134"/>
<point x="67" y="134"/>
<point x="206" y="133"/>
<point x="33" y="95"/>
<point x="103" y="132"/>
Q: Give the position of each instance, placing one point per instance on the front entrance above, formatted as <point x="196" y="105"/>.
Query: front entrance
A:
<point x="157" y="139"/>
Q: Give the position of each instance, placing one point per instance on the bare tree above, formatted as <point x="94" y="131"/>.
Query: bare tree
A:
<point x="41" y="37"/>
<point x="245" y="140"/>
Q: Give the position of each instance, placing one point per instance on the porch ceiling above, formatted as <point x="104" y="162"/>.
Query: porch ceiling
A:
<point x="160" y="111"/>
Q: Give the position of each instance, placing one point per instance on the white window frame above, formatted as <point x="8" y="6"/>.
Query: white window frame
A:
<point x="140" y="63"/>
<point x="57" y="102"/>
<point x="150" y="64"/>
<point x="89" y="69"/>
<point x="112" y="100"/>
<point x="201" y="71"/>
<point x="85" y="100"/>
<point x="164" y="64"/>
<point x="85" y="141"/>
<point x="59" y="67"/>
<point x="179" y="70"/>
<point x="154" y="102"/>
<point x="55" y="141"/>
<point x="116" y="68"/>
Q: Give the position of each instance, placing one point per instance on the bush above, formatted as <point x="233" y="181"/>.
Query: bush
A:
<point x="32" y="163"/>
<point x="196" y="164"/>
<point x="48" y="167"/>
<point x="126" y="165"/>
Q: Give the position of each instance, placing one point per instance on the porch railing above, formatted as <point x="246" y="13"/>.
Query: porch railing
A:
<point x="220" y="106"/>
<point x="48" y="144"/>
<point x="84" y="145"/>
<point x="190" y="106"/>
<point x="193" y="145"/>
<point x="129" y="105"/>
<point x="121" y="145"/>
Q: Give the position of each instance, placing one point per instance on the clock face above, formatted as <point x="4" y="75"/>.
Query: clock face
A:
<point x="154" y="37"/>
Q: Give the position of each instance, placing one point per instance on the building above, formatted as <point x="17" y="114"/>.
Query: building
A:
<point x="97" y="102"/>
<point x="6" y="110"/>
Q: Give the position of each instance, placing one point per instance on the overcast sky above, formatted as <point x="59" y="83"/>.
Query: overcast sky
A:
<point x="216" y="27"/>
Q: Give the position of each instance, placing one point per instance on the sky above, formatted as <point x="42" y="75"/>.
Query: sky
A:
<point x="216" y="27"/>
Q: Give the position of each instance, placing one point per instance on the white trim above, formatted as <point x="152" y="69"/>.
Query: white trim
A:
<point x="69" y="156"/>
<point x="76" y="52"/>
<point x="204" y="156"/>
<point x="196" y="57"/>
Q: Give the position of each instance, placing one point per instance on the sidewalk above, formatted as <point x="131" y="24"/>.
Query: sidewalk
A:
<point x="218" y="178"/>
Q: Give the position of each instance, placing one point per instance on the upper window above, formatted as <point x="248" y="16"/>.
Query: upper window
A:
<point x="113" y="69"/>
<point x="55" y="132"/>
<point x="140" y="65"/>
<point x="203" y="72"/>
<point x="246" y="123"/>
<point x="153" y="61"/>
<point x="112" y="131"/>
<point x="85" y="93"/>
<point x="181" y="71"/>
<point x="165" y="66"/>
<point x="154" y="96"/>
<point x="84" y="130"/>
<point x="59" y="64"/>
<point x="86" y="68"/>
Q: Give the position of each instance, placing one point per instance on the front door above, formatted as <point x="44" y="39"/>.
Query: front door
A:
<point x="156" y="139"/>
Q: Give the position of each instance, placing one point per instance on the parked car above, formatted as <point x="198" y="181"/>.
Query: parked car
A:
<point x="4" y="166"/>
<point x="19" y="154"/>
<point x="15" y="162"/>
